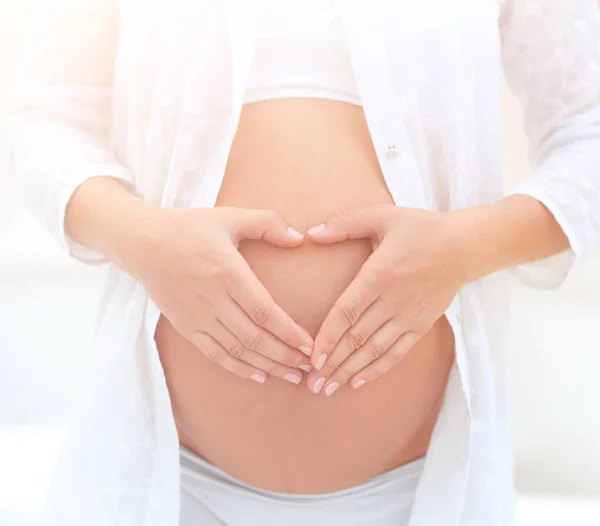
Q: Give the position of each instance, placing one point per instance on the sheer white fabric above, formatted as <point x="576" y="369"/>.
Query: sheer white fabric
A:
<point x="151" y="92"/>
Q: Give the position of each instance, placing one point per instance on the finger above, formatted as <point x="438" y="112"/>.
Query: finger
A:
<point x="387" y="361"/>
<point x="351" y="224"/>
<point x="267" y="225"/>
<point x="256" y="338"/>
<point x="372" y="349"/>
<point x="218" y="355"/>
<point x="254" y="299"/>
<point x="353" y="340"/>
<point x="344" y="314"/>
<point x="236" y="350"/>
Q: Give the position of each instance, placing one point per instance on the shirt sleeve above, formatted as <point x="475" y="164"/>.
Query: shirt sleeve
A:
<point x="61" y="110"/>
<point x="551" y="55"/>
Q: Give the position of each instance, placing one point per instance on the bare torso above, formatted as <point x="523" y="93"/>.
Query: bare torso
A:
<point x="306" y="159"/>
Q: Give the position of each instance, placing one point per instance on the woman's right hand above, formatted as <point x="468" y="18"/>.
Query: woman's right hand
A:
<point x="188" y="261"/>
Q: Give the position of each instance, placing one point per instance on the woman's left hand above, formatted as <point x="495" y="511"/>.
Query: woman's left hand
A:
<point x="416" y="268"/>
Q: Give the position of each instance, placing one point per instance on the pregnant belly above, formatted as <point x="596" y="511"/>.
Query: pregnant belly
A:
<point x="306" y="159"/>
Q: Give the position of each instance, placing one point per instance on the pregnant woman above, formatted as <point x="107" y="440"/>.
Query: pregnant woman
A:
<point x="300" y="208"/>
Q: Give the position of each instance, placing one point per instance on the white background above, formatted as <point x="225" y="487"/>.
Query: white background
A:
<point x="47" y="306"/>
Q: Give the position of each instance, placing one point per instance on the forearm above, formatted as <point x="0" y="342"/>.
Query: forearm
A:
<point x="515" y="230"/>
<point x="104" y="216"/>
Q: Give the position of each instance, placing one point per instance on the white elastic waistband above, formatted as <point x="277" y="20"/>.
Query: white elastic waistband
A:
<point x="385" y="500"/>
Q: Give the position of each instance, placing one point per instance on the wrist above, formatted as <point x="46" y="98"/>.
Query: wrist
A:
<point x="473" y="251"/>
<point x="105" y="217"/>
<point x="134" y="232"/>
<point x="512" y="231"/>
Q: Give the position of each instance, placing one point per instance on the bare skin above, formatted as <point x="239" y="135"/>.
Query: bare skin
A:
<point x="295" y="441"/>
<point x="307" y="160"/>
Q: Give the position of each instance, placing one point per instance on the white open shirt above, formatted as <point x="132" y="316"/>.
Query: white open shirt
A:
<point x="150" y="91"/>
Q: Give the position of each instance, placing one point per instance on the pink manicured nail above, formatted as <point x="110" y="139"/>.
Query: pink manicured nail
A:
<point x="306" y="367"/>
<point x="317" y="229"/>
<point x="305" y="349"/>
<point x="295" y="233"/>
<point x="358" y="383"/>
<point x="331" y="388"/>
<point x="258" y="378"/>
<point x="321" y="362"/>
<point x="291" y="377"/>
<point x="319" y="384"/>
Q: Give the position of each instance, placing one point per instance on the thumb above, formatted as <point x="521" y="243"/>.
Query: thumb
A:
<point x="268" y="225"/>
<point x="350" y="224"/>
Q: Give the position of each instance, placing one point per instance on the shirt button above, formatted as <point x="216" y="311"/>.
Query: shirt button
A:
<point x="186" y="198"/>
<point x="392" y="148"/>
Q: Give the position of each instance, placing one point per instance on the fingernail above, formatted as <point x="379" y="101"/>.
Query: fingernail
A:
<point x="358" y="383"/>
<point x="291" y="377"/>
<point x="321" y="362"/>
<point x="317" y="229"/>
<point x="295" y="233"/>
<point x="305" y="349"/>
<point x="319" y="384"/>
<point x="258" y="378"/>
<point x="306" y="367"/>
<point x="331" y="388"/>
